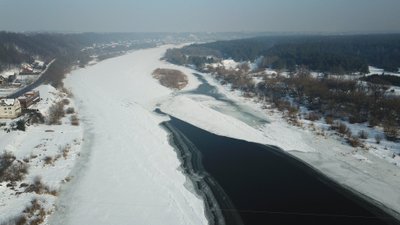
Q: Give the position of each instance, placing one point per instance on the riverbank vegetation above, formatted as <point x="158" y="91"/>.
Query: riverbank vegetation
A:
<point x="331" y="98"/>
<point x="171" y="78"/>
<point x="295" y="89"/>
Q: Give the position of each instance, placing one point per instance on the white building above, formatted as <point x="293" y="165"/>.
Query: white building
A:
<point x="10" y="108"/>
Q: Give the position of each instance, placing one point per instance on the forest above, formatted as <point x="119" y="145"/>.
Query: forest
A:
<point x="345" y="54"/>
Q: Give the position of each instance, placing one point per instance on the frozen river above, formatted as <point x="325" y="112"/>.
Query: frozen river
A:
<point x="129" y="173"/>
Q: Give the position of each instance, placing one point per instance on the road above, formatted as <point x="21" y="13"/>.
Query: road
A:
<point x="35" y="84"/>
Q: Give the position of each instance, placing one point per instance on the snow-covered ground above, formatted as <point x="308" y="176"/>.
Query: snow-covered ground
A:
<point x="60" y="143"/>
<point x="7" y="91"/>
<point x="374" y="70"/>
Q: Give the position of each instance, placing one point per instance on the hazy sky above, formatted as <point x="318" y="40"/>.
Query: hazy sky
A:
<point x="201" y="15"/>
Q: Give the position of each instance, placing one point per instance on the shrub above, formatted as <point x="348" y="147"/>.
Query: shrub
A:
<point x="15" y="172"/>
<point x="282" y="105"/>
<point x="353" y="119"/>
<point x="65" y="101"/>
<point x="48" y="160"/>
<point x="329" y="119"/>
<point x="74" y="120"/>
<point x="34" y="214"/>
<point x="295" y="122"/>
<point x="36" y="117"/>
<point x="21" y="125"/>
<point x="39" y="187"/>
<point x="363" y="134"/>
<point x="70" y="110"/>
<point x="372" y="121"/>
<point x="354" y="141"/>
<point x="56" y="112"/>
<point x="67" y="91"/>
<point x="292" y="111"/>
<point x="313" y="116"/>
<point x="6" y="158"/>
<point x="65" y="151"/>
<point x="391" y="131"/>
<point x="21" y="220"/>
<point x="341" y="128"/>
<point x="378" y="138"/>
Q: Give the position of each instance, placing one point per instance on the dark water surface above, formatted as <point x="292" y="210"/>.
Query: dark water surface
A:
<point x="255" y="184"/>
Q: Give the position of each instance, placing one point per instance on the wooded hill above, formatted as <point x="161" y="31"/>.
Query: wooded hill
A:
<point x="16" y="48"/>
<point x="67" y="49"/>
<point x="330" y="54"/>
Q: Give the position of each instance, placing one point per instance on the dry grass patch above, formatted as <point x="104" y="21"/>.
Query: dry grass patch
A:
<point x="34" y="214"/>
<point x="171" y="78"/>
<point x="40" y="188"/>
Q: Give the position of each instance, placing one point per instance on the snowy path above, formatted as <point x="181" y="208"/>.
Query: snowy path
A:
<point x="132" y="175"/>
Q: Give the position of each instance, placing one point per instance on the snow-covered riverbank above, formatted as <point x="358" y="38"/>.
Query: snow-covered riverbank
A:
<point x="367" y="172"/>
<point x="49" y="153"/>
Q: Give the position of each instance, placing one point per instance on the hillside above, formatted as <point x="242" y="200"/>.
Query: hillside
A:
<point x="330" y="54"/>
<point x="68" y="49"/>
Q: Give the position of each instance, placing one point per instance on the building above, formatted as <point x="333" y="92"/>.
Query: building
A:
<point x="26" y="69"/>
<point x="10" y="108"/>
<point x="29" y="98"/>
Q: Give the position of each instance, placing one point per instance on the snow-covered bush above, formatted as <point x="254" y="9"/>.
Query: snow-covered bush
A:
<point x="378" y="138"/>
<point x="56" y="112"/>
<point x="16" y="171"/>
<point x="363" y="134"/>
<point x="354" y="141"/>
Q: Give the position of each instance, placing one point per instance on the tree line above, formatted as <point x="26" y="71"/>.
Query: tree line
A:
<point x="330" y="54"/>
